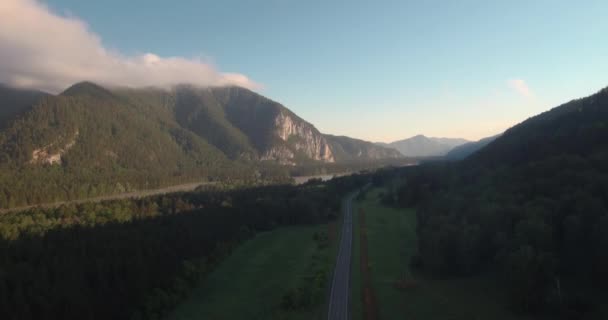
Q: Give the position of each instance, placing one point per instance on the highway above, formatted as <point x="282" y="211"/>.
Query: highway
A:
<point x="339" y="307"/>
<point x="128" y="195"/>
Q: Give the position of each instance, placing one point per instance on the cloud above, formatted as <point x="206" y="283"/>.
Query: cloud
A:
<point x="520" y="86"/>
<point x="42" y="50"/>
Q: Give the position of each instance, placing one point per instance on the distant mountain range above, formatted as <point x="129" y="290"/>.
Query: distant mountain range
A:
<point x="422" y="146"/>
<point x="91" y="140"/>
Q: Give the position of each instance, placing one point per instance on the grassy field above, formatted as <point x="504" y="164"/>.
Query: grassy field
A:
<point x="392" y="242"/>
<point x="252" y="281"/>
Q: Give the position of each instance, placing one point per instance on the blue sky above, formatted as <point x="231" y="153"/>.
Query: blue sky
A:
<point x="378" y="70"/>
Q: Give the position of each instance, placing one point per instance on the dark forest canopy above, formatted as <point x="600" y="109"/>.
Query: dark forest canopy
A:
<point x="135" y="259"/>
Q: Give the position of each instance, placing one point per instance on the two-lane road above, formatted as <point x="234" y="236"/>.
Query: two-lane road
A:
<point x="339" y="307"/>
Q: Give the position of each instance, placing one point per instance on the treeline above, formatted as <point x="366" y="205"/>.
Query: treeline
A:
<point x="319" y="168"/>
<point x="40" y="185"/>
<point x="136" y="259"/>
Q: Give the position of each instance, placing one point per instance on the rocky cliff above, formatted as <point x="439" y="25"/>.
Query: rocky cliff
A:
<point x="272" y="130"/>
<point x="299" y="138"/>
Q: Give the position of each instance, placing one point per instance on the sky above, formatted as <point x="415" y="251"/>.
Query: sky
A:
<point x="375" y="70"/>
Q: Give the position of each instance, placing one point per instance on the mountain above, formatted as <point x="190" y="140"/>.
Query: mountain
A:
<point x="273" y="130"/>
<point x="245" y="125"/>
<point x="345" y="148"/>
<point x="91" y="140"/>
<point x="16" y="101"/>
<point x="463" y="151"/>
<point x="531" y="205"/>
<point x="422" y="146"/>
<point x="577" y="128"/>
<point x="452" y="142"/>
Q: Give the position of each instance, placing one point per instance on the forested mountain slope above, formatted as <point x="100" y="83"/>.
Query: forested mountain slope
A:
<point x="579" y="127"/>
<point x="247" y="124"/>
<point x="90" y="140"/>
<point x="463" y="151"/>
<point x="345" y="148"/>
<point x="533" y="204"/>
<point x="16" y="101"/>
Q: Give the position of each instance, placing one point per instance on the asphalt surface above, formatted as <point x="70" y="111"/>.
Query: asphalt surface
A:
<point x="339" y="307"/>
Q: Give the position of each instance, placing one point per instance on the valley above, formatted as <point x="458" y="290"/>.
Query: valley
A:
<point x="450" y="233"/>
<point x="303" y="160"/>
<point x="491" y="230"/>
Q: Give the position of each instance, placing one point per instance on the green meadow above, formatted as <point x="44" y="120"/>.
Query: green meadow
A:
<point x="402" y="293"/>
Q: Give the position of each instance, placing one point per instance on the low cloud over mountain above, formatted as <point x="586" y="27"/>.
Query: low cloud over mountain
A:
<point x="40" y="49"/>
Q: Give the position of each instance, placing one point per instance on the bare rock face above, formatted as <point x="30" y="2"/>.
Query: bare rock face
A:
<point x="44" y="155"/>
<point x="280" y="154"/>
<point x="299" y="137"/>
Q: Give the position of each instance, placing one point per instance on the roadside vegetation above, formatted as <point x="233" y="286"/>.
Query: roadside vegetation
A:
<point x="355" y="281"/>
<point x="402" y="290"/>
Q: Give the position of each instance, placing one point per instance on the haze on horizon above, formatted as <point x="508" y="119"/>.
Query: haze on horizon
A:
<point x="380" y="71"/>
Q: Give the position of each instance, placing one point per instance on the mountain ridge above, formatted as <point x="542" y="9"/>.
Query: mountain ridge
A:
<point x="91" y="140"/>
<point x="553" y="132"/>
<point x="16" y="101"/>
<point x="423" y="146"/>
<point x="359" y="148"/>
<point x="533" y="199"/>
